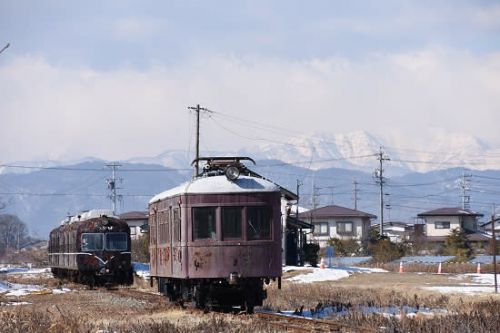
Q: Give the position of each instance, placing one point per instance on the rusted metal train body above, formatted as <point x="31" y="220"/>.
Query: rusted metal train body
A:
<point x="94" y="249"/>
<point x="216" y="240"/>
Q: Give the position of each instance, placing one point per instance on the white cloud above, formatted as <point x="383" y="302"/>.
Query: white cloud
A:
<point x="136" y="29"/>
<point x="54" y="112"/>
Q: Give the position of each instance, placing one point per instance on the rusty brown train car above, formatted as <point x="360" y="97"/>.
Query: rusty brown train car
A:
<point x="216" y="240"/>
<point x="92" y="248"/>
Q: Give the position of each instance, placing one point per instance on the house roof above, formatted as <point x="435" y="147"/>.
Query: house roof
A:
<point x="450" y="211"/>
<point x="134" y="215"/>
<point x="335" y="211"/>
<point x="295" y="222"/>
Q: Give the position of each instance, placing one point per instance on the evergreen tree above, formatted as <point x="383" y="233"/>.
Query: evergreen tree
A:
<point x="457" y="244"/>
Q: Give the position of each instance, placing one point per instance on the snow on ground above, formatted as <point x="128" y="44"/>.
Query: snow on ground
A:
<point x="481" y="284"/>
<point x="386" y="311"/>
<point x="141" y="269"/>
<point x="17" y="289"/>
<point x="327" y="274"/>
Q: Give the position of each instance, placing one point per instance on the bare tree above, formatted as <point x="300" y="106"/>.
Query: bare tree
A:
<point x="13" y="232"/>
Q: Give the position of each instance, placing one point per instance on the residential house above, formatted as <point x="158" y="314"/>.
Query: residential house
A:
<point x="337" y="222"/>
<point x="135" y="221"/>
<point x="440" y="222"/>
<point x="396" y="231"/>
<point x="488" y="228"/>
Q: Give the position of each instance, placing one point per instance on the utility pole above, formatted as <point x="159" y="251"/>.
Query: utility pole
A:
<point x="299" y="183"/>
<point x="355" y="194"/>
<point x="379" y="175"/>
<point x="465" y="185"/>
<point x="112" y="184"/>
<point x="494" y="248"/>
<point x="197" y="109"/>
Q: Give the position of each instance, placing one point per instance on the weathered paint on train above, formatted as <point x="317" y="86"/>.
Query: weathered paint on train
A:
<point x="68" y="259"/>
<point x="186" y="257"/>
<point x="208" y="266"/>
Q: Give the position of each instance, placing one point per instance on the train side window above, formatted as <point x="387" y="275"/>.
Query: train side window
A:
<point x="258" y="222"/>
<point x="177" y="224"/>
<point x="204" y="223"/>
<point x="231" y="222"/>
<point x="92" y="242"/>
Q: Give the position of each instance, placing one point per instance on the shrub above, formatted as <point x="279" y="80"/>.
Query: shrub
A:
<point x="386" y="251"/>
<point x="311" y="253"/>
<point x="456" y="244"/>
<point x="345" y="247"/>
<point x="140" y="249"/>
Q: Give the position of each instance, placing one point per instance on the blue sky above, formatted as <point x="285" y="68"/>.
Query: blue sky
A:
<point x="398" y="69"/>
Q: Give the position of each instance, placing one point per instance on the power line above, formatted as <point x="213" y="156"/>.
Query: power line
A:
<point x="71" y="194"/>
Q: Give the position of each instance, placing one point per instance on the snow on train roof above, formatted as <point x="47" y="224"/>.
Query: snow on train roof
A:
<point x="219" y="184"/>
<point x="90" y="214"/>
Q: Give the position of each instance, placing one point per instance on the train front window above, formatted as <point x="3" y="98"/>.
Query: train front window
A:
<point x="92" y="242"/>
<point x="204" y="219"/>
<point x="231" y="222"/>
<point x="259" y="223"/>
<point x="116" y="241"/>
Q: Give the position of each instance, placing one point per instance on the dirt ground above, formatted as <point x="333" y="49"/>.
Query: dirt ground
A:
<point x="140" y="309"/>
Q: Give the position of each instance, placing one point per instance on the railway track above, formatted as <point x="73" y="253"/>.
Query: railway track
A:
<point x="285" y="323"/>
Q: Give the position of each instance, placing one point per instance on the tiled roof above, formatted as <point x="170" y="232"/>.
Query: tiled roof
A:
<point x="335" y="211"/>
<point x="450" y="211"/>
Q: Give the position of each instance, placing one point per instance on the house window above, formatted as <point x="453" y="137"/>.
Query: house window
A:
<point x="231" y="222"/>
<point x="442" y="225"/>
<point x="345" y="228"/>
<point x="204" y="219"/>
<point x="321" y="229"/>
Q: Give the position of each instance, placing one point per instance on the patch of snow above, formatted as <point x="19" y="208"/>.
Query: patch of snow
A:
<point x="482" y="283"/>
<point x="468" y="290"/>
<point x="141" y="269"/>
<point x="328" y="274"/>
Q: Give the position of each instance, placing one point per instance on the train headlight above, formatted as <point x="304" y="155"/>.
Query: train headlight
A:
<point x="232" y="172"/>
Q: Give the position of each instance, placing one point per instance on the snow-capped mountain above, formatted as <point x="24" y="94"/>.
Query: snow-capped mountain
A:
<point x="358" y="151"/>
<point x="355" y="150"/>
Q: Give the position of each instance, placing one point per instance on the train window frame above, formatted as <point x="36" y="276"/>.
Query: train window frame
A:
<point x="112" y="234"/>
<point x="85" y="248"/>
<point x="222" y="220"/>
<point x="176" y="216"/>
<point x="253" y="225"/>
<point x="211" y="231"/>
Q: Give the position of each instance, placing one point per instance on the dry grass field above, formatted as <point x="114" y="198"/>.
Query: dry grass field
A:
<point x="140" y="309"/>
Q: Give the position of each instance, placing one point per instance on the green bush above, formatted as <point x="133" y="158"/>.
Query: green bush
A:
<point x="311" y="253"/>
<point x="456" y="244"/>
<point x="386" y="251"/>
<point x="345" y="247"/>
<point x="140" y="249"/>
